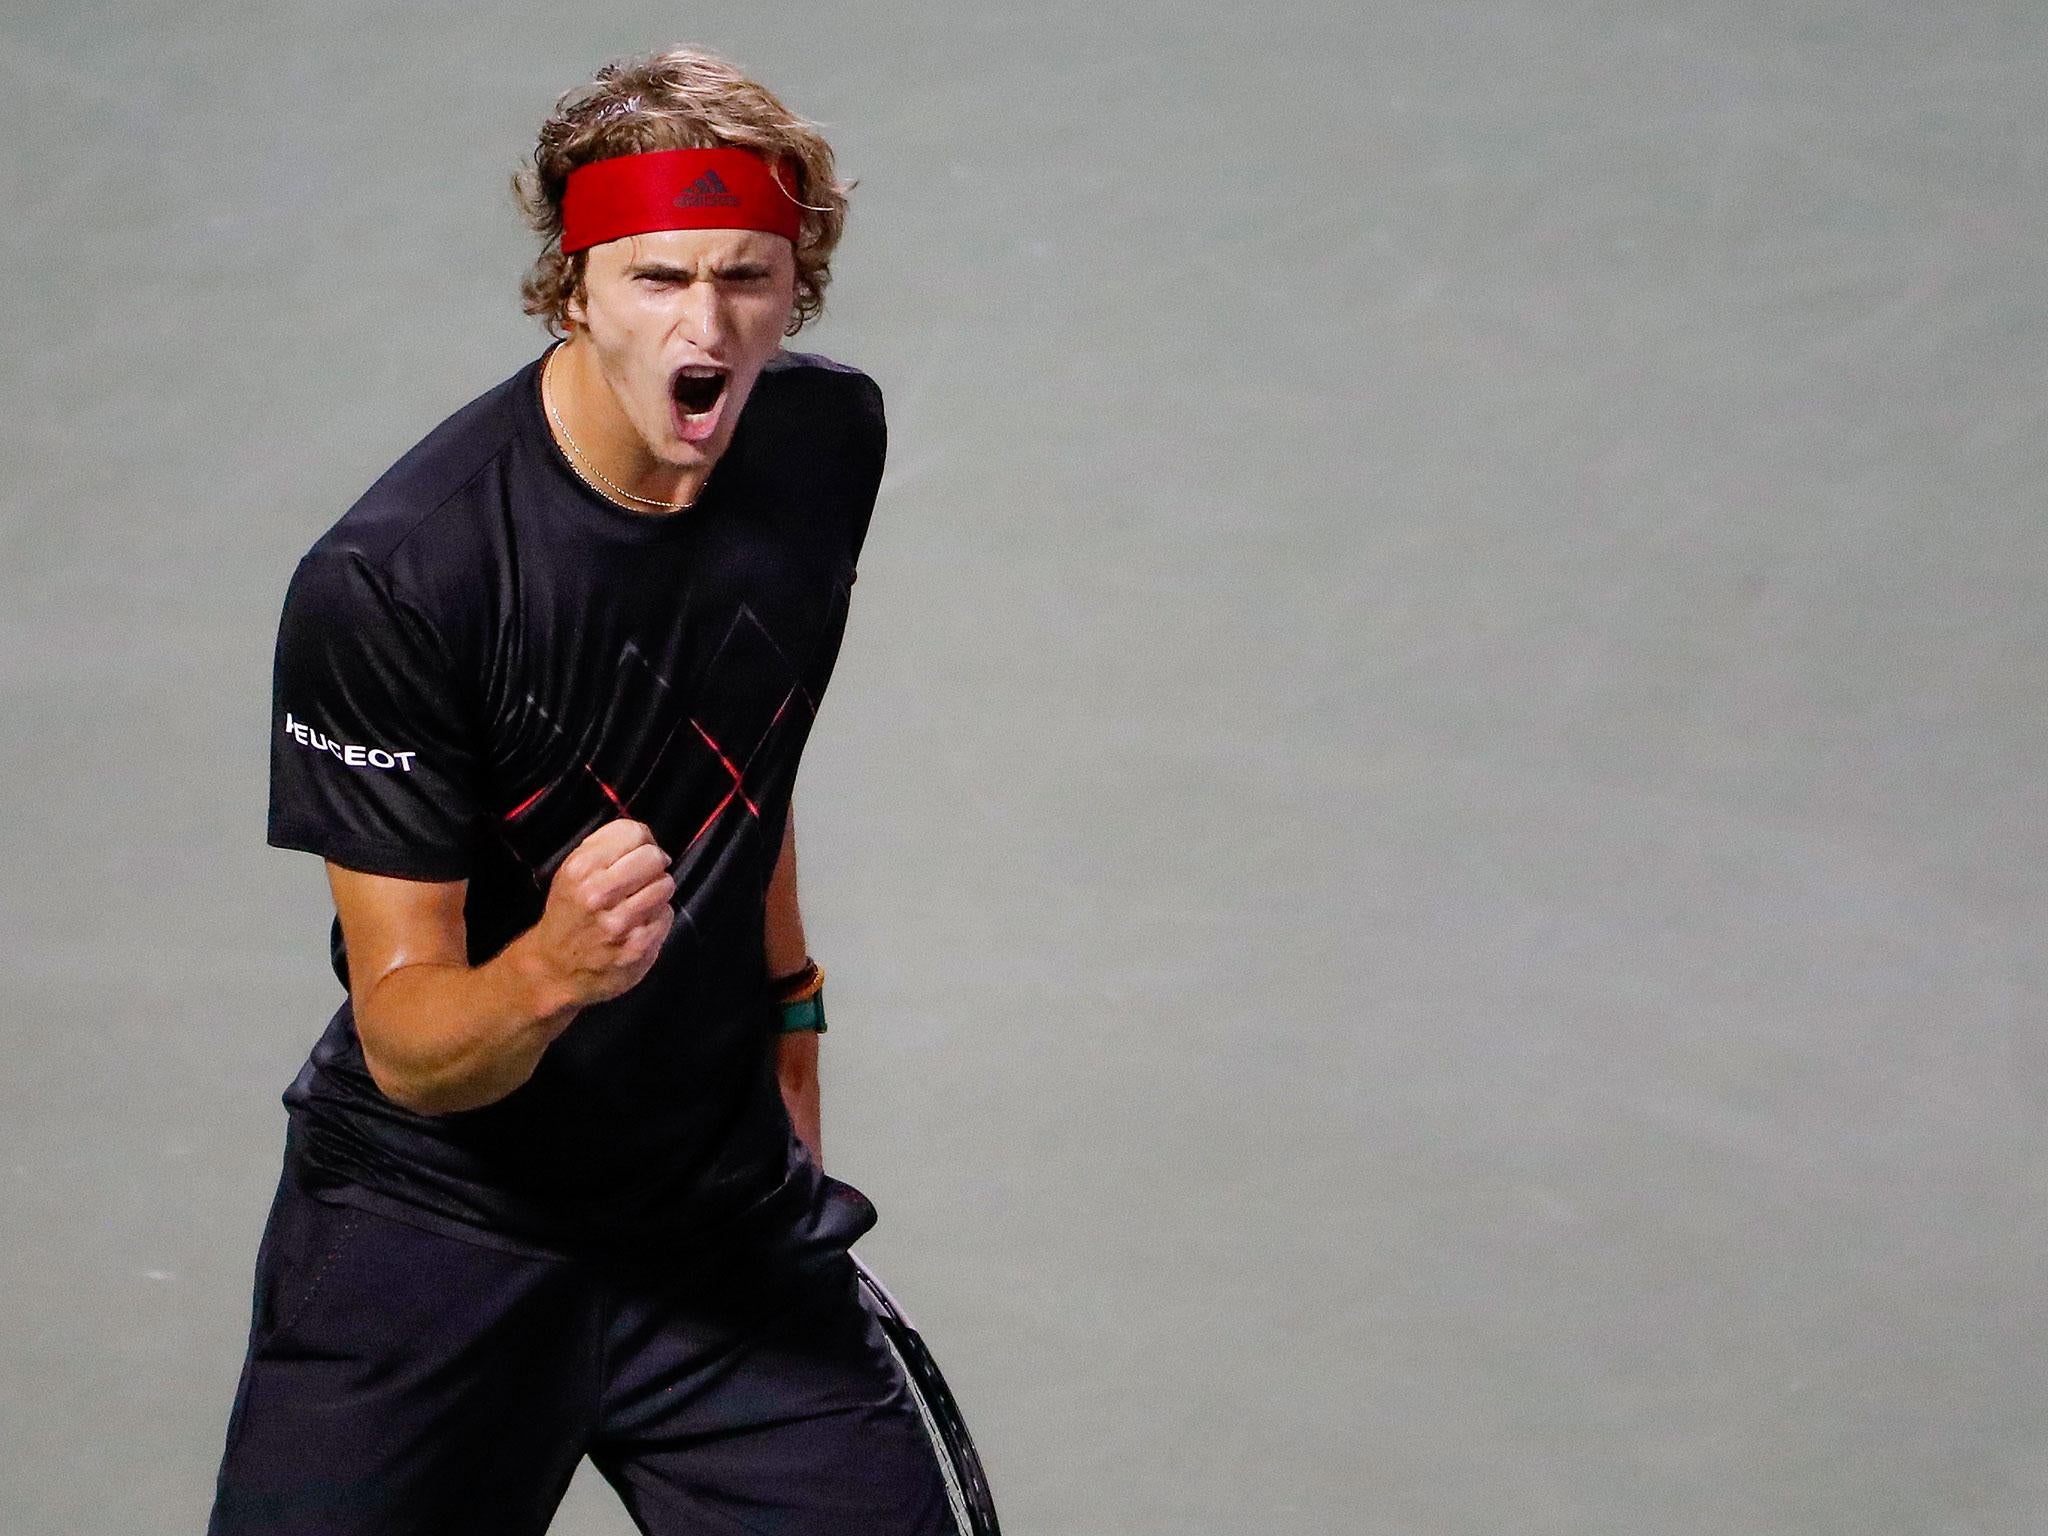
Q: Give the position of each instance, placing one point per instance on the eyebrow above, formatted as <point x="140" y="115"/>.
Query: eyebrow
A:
<point x="738" y="267"/>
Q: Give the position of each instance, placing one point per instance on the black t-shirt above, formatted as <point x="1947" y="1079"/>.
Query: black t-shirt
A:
<point x="482" y="662"/>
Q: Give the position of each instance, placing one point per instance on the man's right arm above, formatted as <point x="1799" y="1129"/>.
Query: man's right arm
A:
<point x="441" y="1035"/>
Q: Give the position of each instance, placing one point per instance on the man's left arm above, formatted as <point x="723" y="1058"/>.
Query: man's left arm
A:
<point x="796" y="1051"/>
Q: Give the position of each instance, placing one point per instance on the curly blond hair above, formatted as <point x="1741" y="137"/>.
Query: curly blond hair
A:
<point x="683" y="98"/>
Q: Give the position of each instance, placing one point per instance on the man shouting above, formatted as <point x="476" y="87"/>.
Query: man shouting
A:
<point x="552" y="1182"/>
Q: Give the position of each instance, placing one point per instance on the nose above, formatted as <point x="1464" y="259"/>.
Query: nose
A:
<point x="706" y="315"/>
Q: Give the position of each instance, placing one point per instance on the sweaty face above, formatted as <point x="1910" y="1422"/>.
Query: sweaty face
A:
<point x="681" y="322"/>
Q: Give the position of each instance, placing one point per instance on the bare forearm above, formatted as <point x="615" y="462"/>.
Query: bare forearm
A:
<point x="796" y="1068"/>
<point x="440" y="1037"/>
<point x="784" y="950"/>
<point x="782" y="924"/>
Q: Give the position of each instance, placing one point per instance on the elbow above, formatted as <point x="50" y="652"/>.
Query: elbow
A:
<point x="385" y="1075"/>
<point x="408" y="1090"/>
<point x="395" y="1085"/>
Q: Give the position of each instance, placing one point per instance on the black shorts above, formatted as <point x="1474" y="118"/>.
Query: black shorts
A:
<point x="400" y="1380"/>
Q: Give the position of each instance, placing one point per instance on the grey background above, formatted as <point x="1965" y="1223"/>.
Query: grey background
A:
<point x="1430" y="833"/>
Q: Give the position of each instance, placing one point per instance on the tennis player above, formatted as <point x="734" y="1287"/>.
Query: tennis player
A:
<point x="552" y="1180"/>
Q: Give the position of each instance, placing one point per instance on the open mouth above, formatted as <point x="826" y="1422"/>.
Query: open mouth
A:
<point x="697" y="389"/>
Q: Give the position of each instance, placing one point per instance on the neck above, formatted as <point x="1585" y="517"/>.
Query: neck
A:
<point x="595" y="434"/>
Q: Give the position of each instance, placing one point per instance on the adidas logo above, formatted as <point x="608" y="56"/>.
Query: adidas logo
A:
<point x="707" y="191"/>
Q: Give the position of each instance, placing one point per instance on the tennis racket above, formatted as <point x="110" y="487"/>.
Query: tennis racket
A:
<point x="974" y="1511"/>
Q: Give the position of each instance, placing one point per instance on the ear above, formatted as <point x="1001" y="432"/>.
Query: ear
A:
<point x="573" y="313"/>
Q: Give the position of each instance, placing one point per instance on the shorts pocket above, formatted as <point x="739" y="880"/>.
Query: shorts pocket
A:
<point x="307" y="1240"/>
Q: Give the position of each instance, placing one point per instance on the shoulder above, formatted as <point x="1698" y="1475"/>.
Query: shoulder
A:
<point x="824" y="377"/>
<point x="424" y="527"/>
<point x="820" y="443"/>
<point x="809" y="395"/>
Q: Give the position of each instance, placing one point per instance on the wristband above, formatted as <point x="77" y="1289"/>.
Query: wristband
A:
<point x="800" y="998"/>
<point x="806" y="1013"/>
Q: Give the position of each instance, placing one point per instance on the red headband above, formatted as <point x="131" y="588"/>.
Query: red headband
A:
<point x="674" y="189"/>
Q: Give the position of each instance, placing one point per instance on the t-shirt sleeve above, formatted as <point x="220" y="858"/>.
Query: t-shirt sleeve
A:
<point x="871" y="452"/>
<point x="371" y="759"/>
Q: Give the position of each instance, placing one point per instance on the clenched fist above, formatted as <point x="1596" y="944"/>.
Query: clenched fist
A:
<point x="608" y="912"/>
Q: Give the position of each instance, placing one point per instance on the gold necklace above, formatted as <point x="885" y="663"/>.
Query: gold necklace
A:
<point x="645" y="501"/>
